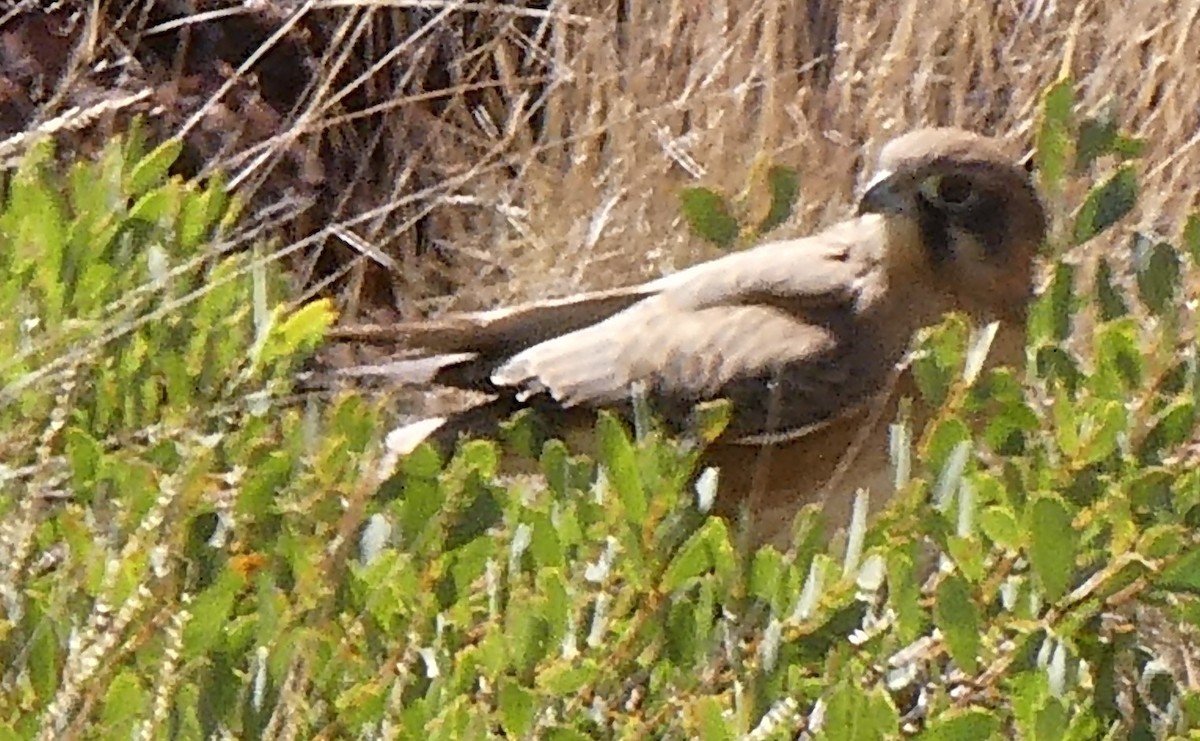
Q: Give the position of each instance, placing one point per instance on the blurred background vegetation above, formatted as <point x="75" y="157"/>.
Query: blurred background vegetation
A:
<point x="193" y="191"/>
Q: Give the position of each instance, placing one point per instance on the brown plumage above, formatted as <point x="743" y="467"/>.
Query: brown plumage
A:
<point x="804" y="336"/>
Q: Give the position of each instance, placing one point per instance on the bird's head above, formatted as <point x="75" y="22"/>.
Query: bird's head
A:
<point x="972" y="212"/>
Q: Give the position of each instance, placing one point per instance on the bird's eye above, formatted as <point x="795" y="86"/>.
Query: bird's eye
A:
<point x="952" y="191"/>
<point x="955" y="191"/>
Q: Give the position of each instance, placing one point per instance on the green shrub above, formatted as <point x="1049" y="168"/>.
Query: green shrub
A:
<point x="189" y="556"/>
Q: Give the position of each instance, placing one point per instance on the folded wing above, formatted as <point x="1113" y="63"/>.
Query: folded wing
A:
<point x="774" y="329"/>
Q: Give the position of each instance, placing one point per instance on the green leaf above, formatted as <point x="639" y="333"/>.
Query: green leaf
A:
<point x="1000" y="398"/>
<point x="709" y="216"/>
<point x="784" y="183"/>
<point x="766" y="572"/>
<point x="854" y="715"/>
<point x="706" y="550"/>
<point x="564" y="679"/>
<point x="942" y="352"/>
<point x="1001" y="527"/>
<point x="1106" y="204"/>
<point x="519" y="434"/>
<point x="1052" y="545"/>
<point x="709" y="718"/>
<point x="710" y="418"/>
<point x="1055" y="363"/>
<point x="210" y="614"/>
<point x="301" y="331"/>
<point x="564" y="473"/>
<point x="944" y="442"/>
<point x="423" y="462"/>
<point x="45" y="656"/>
<point x="720" y="546"/>
<point x="517" y="707"/>
<point x="968" y="555"/>
<point x="1183" y="575"/>
<point x="38" y="243"/>
<point x="360" y="703"/>
<point x="1150" y="488"/>
<point x="1029" y="691"/>
<point x="124" y="704"/>
<point x="620" y="460"/>
<point x="130" y="149"/>
<point x="1174" y="427"/>
<point x="1190" y="709"/>
<point x="1100" y="136"/>
<point x="693" y="559"/>
<point x="681" y="631"/>
<point x="1096" y="139"/>
<point x="969" y="725"/>
<point x="220" y="207"/>
<point x="1191" y="236"/>
<point x="904" y="594"/>
<point x="152" y="169"/>
<point x="1106" y="421"/>
<point x="956" y="615"/>
<point x="423" y="497"/>
<point x="545" y="544"/>
<point x="1128" y="147"/>
<point x="1159" y="273"/>
<point x="1054" y="141"/>
<point x="1110" y="301"/>
<point x="195" y="222"/>
<point x="1052" y="720"/>
<point x="1066" y="426"/>
<point x="1161" y="541"/>
<point x="481" y="514"/>
<point x="85" y="456"/>
<point x="158" y="206"/>
<point x="1182" y="378"/>
<point x="1119" y="360"/>
<point x="475" y="456"/>
<point x="1054" y="312"/>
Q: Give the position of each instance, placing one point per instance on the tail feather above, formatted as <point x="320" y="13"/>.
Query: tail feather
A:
<point x="456" y="370"/>
<point x="464" y="371"/>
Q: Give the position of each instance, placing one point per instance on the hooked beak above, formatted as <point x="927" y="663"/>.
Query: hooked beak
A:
<point x="883" y="196"/>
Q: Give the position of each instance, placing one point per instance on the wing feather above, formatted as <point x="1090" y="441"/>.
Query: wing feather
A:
<point x="779" y="316"/>
<point x="507" y="329"/>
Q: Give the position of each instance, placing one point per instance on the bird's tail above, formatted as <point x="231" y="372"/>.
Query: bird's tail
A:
<point x="497" y="332"/>
<point x="462" y="370"/>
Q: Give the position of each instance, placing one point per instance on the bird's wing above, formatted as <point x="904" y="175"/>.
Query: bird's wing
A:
<point x="773" y="329"/>
<point x="462" y="350"/>
<point x="504" y="330"/>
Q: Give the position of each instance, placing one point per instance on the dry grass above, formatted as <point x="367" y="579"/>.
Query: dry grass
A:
<point x="571" y="161"/>
<point x="471" y="154"/>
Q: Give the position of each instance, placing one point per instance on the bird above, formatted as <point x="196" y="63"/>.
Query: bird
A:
<point x="806" y="338"/>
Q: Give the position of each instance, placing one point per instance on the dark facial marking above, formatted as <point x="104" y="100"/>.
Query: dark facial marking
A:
<point x="934" y="225"/>
<point x="963" y="205"/>
<point x="986" y="221"/>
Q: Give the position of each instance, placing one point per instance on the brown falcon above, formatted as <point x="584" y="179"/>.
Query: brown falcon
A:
<point x="803" y="336"/>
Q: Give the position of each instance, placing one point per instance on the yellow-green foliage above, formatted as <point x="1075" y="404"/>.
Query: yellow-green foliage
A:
<point x="184" y="556"/>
